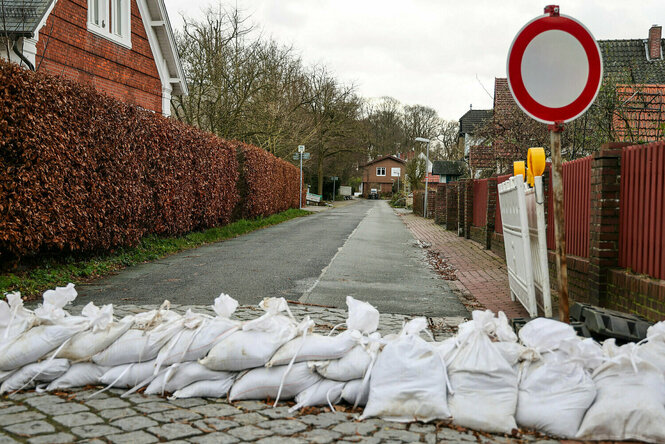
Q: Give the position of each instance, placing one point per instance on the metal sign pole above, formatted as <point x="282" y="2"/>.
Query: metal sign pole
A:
<point x="300" y="180"/>
<point x="559" y="222"/>
<point x="333" y="189"/>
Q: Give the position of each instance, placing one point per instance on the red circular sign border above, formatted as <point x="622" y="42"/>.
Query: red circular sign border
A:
<point x="532" y="29"/>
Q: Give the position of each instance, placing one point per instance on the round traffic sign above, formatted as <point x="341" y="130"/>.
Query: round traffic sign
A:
<point x="554" y="68"/>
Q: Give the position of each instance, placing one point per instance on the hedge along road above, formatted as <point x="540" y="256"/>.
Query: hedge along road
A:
<point x="362" y="250"/>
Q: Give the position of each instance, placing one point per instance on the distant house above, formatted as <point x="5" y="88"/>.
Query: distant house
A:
<point x="124" y="48"/>
<point x="381" y="173"/>
<point x="637" y="68"/>
<point x="474" y="146"/>
<point x="448" y="170"/>
<point x="469" y="125"/>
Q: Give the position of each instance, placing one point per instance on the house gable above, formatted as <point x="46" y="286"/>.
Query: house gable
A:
<point x="143" y="69"/>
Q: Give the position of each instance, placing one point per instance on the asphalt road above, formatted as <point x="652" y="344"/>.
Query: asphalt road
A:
<point x="362" y="249"/>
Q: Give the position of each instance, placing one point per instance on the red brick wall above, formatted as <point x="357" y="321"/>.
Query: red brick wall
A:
<point x="67" y="48"/>
<point x="481" y="157"/>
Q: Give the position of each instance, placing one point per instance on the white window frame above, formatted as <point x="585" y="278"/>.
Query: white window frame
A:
<point x="109" y="12"/>
<point x="379" y="169"/>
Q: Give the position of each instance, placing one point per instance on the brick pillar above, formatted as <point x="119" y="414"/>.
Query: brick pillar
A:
<point x="440" y="204"/>
<point x="431" y="201"/>
<point x="451" y="206"/>
<point x="461" y="188"/>
<point x="492" y="196"/>
<point x="604" y="242"/>
<point x="468" y="210"/>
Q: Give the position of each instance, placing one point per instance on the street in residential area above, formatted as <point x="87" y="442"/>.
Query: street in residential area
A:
<point x="361" y="249"/>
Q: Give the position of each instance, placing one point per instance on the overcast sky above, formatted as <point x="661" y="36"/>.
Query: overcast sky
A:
<point x="439" y="53"/>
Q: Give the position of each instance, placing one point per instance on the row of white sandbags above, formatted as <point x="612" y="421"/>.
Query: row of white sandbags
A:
<point x="483" y="378"/>
<point x="149" y="347"/>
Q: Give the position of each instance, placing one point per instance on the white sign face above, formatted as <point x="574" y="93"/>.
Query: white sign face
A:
<point x="559" y="67"/>
<point x="301" y="148"/>
<point x="395" y="172"/>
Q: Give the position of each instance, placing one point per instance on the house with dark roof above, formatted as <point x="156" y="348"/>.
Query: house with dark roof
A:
<point x="124" y="48"/>
<point x="636" y="68"/>
<point x="448" y="170"/>
<point x="381" y="173"/>
<point x="469" y="125"/>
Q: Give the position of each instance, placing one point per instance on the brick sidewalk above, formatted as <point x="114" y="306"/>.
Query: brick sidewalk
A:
<point x="480" y="273"/>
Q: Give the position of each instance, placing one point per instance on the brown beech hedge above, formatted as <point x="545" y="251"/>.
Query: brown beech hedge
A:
<point x="80" y="171"/>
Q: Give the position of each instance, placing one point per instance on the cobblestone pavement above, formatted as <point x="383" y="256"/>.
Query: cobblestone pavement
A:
<point x="480" y="273"/>
<point x="72" y="416"/>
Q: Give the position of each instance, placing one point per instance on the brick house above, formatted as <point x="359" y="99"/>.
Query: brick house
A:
<point x="124" y="48"/>
<point x="381" y="173"/>
<point x="474" y="146"/>
<point x="637" y="68"/>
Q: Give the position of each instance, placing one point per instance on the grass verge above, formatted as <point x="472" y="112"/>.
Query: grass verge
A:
<point x="58" y="271"/>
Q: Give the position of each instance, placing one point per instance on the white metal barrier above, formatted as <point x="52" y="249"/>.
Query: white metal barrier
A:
<point x="516" y="243"/>
<point x="525" y="243"/>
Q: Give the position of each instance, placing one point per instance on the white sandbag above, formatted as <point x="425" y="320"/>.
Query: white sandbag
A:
<point x="178" y="376"/>
<point x="143" y="341"/>
<point x="263" y="383"/>
<point x="408" y="381"/>
<point x="101" y="333"/>
<point x="325" y="392"/>
<point x="14" y="318"/>
<point x="217" y="388"/>
<point x="200" y="334"/>
<point x="128" y="375"/>
<point x="553" y="396"/>
<point x="5" y="374"/>
<point x="630" y="401"/>
<point x="315" y="348"/>
<point x="256" y="343"/>
<point x="362" y="316"/>
<point x="653" y="349"/>
<point x="355" y="392"/>
<point x="52" y="310"/>
<point x="543" y="334"/>
<point x="484" y="384"/>
<point x="31" y="374"/>
<point x="352" y="365"/>
<point x="36" y="343"/>
<point x="79" y="375"/>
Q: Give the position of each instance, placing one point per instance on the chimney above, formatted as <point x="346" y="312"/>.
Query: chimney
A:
<point x="655" y="35"/>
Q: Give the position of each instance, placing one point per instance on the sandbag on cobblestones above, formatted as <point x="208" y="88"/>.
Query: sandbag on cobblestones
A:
<point x="150" y="331"/>
<point x="264" y="383"/>
<point x="200" y="334"/>
<point x="356" y="392"/>
<point x="179" y="376"/>
<point x="32" y="374"/>
<point x="324" y="392"/>
<point x="352" y="365"/>
<point x="408" y="381"/>
<point x="54" y="329"/>
<point x="555" y="388"/>
<point x="630" y="404"/>
<point x="653" y="349"/>
<point x="128" y="375"/>
<point x="362" y="320"/>
<point x="103" y="332"/>
<point x="79" y="375"/>
<point x="256" y="342"/>
<point x="217" y="388"/>
<point x="14" y="318"/>
<point x="484" y="383"/>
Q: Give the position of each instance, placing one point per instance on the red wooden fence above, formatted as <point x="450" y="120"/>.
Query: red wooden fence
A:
<point x="642" y="210"/>
<point x="479" y="203"/>
<point x="576" y="205"/>
<point x="498" y="226"/>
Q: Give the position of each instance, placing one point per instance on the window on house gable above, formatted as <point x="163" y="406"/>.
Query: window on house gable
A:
<point x="111" y="19"/>
<point x="380" y="171"/>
